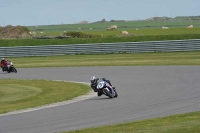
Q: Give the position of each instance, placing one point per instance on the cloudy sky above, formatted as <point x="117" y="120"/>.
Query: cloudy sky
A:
<point x="45" y="12"/>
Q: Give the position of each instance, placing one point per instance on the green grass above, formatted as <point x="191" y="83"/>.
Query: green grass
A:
<point x="148" y="31"/>
<point x="131" y="59"/>
<point x="102" y="26"/>
<point x="183" y="123"/>
<point x="22" y="94"/>
<point x="99" y="28"/>
<point x="110" y="37"/>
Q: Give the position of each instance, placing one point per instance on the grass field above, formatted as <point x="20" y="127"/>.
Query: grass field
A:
<point x="146" y="31"/>
<point x="134" y="59"/>
<point x="121" y="25"/>
<point x="144" y="27"/>
<point x="177" y="30"/>
<point x="115" y="39"/>
<point x="22" y="94"/>
<point x="184" y="123"/>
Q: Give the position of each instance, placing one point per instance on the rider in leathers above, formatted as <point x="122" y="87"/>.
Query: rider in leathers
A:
<point x="3" y="63"/>
<point x="94" y="83"/>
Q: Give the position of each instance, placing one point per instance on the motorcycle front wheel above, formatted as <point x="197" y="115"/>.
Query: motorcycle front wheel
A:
<point x="14" y="70"/>
<point x="116" y="95"/>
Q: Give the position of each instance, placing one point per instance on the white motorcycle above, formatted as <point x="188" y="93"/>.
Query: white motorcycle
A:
<point x="106" y="89"/>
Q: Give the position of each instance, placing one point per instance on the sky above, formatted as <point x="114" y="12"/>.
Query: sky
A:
<point x="50" y="12"/>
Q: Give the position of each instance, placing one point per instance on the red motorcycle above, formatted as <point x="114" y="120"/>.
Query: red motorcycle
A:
<point x="9" y="67"/>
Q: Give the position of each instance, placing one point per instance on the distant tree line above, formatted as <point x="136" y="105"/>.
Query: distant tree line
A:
<point x="104" y="20"/>
<point x="188" y="17"/>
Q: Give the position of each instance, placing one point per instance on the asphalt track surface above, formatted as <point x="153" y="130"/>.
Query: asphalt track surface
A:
<point x="144" y="92"/>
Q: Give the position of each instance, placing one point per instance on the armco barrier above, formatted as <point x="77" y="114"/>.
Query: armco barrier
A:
<point x="152" y="46"/>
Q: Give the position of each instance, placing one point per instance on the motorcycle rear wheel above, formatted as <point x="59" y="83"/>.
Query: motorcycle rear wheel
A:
<point x="108" y="93"/>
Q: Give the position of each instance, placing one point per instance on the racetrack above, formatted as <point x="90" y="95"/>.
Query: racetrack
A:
<point x="144" y="92"/>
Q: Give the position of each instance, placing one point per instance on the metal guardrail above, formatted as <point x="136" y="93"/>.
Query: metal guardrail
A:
<point x="126" y="47"/>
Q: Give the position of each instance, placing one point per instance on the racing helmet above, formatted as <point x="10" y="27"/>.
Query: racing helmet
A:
<point x="92" y="79"/>
<point x="2" y="59"/>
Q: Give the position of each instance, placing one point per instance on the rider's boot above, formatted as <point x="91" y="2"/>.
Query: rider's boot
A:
<point x="99" y="93"/>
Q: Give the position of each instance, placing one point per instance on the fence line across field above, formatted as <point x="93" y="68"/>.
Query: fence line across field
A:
<point x="98" y="48"/>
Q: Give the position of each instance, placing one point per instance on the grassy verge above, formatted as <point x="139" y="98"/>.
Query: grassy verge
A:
<point x="39" y="42"/>
<point x="22" y="94"/>
<point x="134" y="59"/>
<point x="184" y="123"/>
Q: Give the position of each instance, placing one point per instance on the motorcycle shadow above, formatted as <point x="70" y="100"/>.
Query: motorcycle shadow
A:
<point x="3" y="73"/>
<point x="100" y="98"/>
